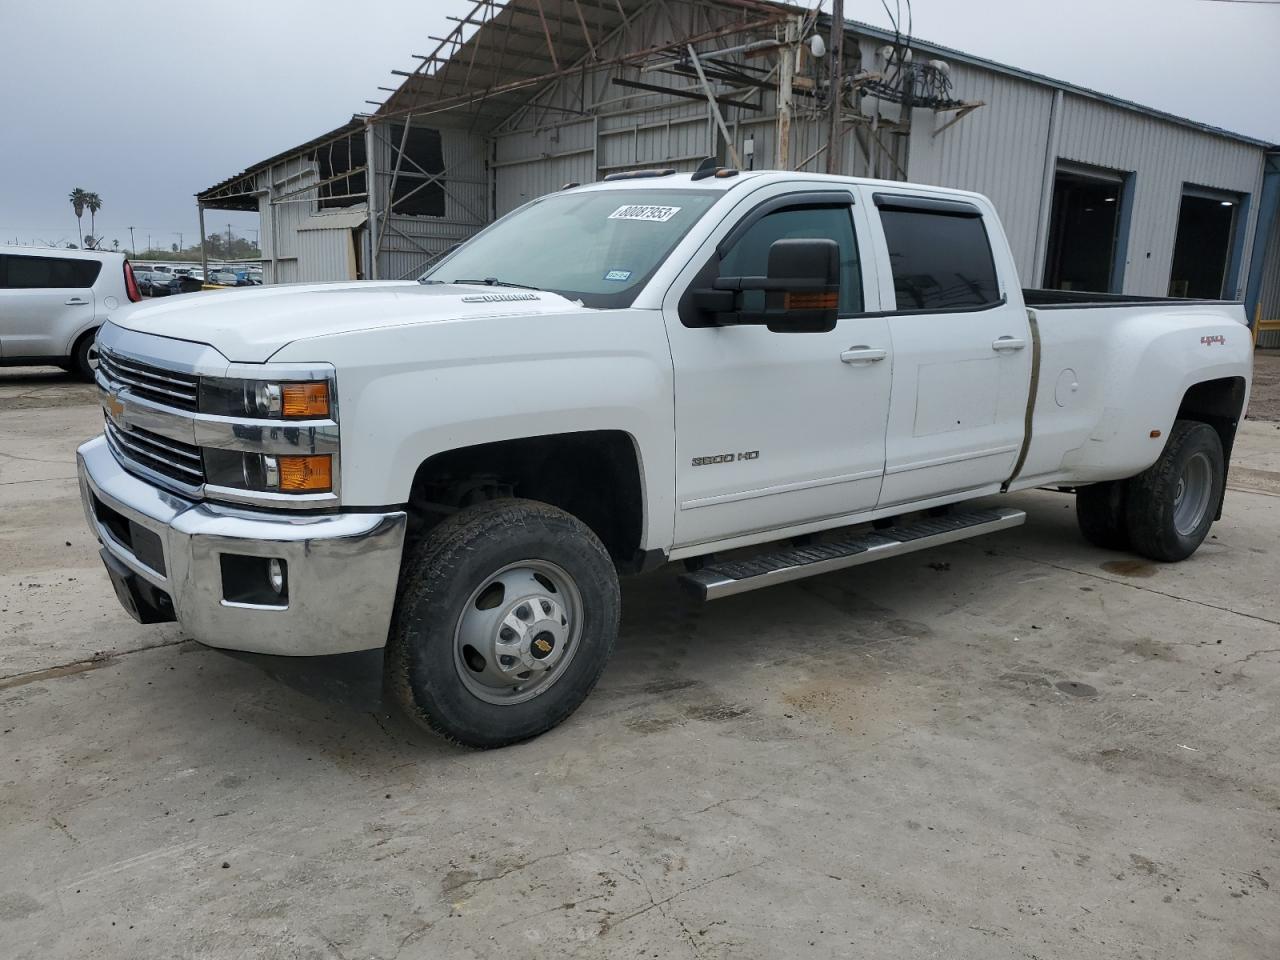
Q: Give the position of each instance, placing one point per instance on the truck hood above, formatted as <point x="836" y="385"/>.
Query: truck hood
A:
<point x="248" y="325"/>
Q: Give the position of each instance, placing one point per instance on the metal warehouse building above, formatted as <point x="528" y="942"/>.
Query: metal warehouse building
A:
<point x="1096" y="193"/>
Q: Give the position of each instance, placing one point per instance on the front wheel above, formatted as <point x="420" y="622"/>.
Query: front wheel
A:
<point x="506" y="616"/>
<point x="1171" y="504"/>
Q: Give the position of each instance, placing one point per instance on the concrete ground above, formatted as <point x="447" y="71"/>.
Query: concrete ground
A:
<point x="1014" y="747"/>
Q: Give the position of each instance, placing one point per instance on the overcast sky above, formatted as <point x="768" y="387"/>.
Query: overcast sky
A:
<point x="146" y="103"/>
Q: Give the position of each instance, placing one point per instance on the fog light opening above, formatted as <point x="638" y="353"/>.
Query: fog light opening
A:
<point x="276" y="576"/>
<point x="254" y="581"/>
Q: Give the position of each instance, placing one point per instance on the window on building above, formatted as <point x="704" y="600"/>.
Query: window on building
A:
<point x="419" y="189"/>
<point x="335" y="161"/>
<point x="1202" y="250"/>
<point x="749" y="257"/>
<point x="59" y="273"/>
<point x="1085" y="249"/>
<point x="940" y="260"/>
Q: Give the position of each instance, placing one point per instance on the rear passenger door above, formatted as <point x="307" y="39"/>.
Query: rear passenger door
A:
<point x="44" y="302"/>
<point x="962" y="351"/>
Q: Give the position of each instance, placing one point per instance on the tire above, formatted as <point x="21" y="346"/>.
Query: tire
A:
<point x="1100" y="513"/>
<point x="462" y="585"/>
<point x="1171" y="505"/>
<point x="82" y="355"/>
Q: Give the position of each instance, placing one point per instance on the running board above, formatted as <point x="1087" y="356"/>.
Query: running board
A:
<point x="794" y="563"/>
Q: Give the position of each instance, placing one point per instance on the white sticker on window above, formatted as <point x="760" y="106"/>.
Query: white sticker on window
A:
<point x="618" y="275"/>
<point x="644" y="211"/>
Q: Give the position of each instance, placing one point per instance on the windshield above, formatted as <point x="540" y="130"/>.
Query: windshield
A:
<point x="598" y="246"/>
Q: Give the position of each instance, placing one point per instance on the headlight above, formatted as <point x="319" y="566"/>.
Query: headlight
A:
<point x="265" y="400"/>
<point x="268" y="472"/>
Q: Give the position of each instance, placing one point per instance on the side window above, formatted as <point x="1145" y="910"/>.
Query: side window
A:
<point x="940" y="261"/>
<point x="29" y="273"/>
<point x="749" y="257"/>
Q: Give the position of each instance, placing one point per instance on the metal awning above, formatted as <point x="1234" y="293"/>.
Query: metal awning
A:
<point x="337" y="220"/>
<point x="238" y="192"/>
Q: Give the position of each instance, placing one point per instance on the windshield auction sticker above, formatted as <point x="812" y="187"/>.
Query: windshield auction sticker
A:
<point x="644" y="211"/>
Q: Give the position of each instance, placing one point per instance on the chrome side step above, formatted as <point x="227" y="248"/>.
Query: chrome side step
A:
<point x="794" y="563"/>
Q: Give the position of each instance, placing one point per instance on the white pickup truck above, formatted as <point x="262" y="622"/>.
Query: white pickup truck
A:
<point x="765" y="375"/>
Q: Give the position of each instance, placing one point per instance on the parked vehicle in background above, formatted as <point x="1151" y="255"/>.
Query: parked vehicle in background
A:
<point x="143" y="280"/>
<point x="52" y="303"/>
<point x="164" y="284"/>
<point x="825" y="370"/>
<point x="227" y="278"/>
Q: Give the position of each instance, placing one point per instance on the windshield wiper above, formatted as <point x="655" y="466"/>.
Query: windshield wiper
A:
<point x="495" y="282"/>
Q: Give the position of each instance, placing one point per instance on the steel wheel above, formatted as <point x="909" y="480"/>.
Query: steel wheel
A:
<point x="518" y="632"/>
<point x="1193" y="493"/>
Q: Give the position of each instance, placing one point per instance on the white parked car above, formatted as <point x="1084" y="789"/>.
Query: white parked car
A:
<point x="52" y="302"/>
<point x="821" y="370"/>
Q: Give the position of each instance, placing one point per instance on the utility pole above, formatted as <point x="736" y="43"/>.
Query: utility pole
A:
<point x="133" y="251"/>
<point x="228" y="241"/>
<point x="837" y="85"/>
<point x="180" y="246"/>
<point x="786" y="70"/>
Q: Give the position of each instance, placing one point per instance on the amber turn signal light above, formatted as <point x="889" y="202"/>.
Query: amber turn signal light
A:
<point x="817" y="300"/>
<point x="313" y="474"/>
<point x="305" y="399"/>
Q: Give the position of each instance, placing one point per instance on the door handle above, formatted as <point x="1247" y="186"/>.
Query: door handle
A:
<point x="863" y="354"/>
<point x="74" y="301"/>
<point x="1001" y="344"/>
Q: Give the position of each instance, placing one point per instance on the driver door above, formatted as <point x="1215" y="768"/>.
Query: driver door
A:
<point x="775" y="430"/>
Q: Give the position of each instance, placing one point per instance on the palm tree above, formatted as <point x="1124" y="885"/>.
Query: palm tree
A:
<point x="94" y="203"/>
<point x="79" y="200"/>
<point x="115" y="244"/>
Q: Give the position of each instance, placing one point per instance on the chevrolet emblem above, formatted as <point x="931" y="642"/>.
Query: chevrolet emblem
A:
<point x="115" y="407"/>
<point x="542" y="645"/>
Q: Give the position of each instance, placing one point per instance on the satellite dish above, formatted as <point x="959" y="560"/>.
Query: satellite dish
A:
<point x="817" y="46"/>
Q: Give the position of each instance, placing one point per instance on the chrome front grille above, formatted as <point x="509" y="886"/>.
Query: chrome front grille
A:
<point x="158" y="384"/>
<point x="171" y="458"/>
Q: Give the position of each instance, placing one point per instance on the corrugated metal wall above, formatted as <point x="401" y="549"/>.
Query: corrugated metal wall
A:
<point x="1001" y="150"/>
<point x="409" y="242"/>
<point x="997" y="150"/>
<point x="325" y="255"/>
<point x="1164" y="156"/>
<point x="280" y="218"/>
<point x="1270" y="298"/>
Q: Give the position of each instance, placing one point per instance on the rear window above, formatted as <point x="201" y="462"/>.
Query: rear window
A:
<point x="940" y="261"/>
<point x="28" y="273"/>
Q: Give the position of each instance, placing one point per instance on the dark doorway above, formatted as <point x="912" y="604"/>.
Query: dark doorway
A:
<point x="1084" y="227"/>
<point x="1206" y="226"/>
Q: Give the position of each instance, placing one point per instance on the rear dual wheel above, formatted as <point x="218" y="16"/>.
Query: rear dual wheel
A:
<point x="506" y="616"/>
<point x="1164" y="513"/>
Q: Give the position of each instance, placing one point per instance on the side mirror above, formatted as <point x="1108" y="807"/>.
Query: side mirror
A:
<point x="801" y="290"/>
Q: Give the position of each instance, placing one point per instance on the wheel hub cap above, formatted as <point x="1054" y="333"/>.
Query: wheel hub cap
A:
<point x="530" y="635"/>
<point x="518" y="632"/>
<point x="1191" y="498"/>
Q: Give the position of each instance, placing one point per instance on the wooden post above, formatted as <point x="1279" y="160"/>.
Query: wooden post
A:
<point x="786" y="70"/>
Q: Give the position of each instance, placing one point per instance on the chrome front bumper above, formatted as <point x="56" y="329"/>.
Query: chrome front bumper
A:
<point x="342" y="567"/>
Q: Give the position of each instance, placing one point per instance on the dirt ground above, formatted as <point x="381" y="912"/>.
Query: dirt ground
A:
<point x="1265" y="403"/>
<point x="1014" y="747"/>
